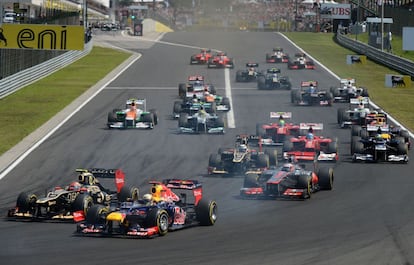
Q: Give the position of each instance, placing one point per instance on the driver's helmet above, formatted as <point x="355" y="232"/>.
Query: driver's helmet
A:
<point x="378" y="137"/>
<point x="195" y="99"/>
<point x="147" y="198"/>
<point x="75" y="186"/>
<point x="309" y="136"/>
<point x="197" y="83"/>
<point x="157" y="193"/>
<point x="243" y="148"/>
<point x="251" y="69"/>
<point x="87" y="179"/>
<point x="361" y="105"/>
<point x="282" y="122"/>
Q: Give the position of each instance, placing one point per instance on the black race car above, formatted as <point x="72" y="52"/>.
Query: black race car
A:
<point x="310" y="95"/>
<point x="272" y="79"/>
<point x="250" y="74"/>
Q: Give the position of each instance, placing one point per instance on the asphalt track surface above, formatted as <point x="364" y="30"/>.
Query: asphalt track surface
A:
<point x="366" y="219"/>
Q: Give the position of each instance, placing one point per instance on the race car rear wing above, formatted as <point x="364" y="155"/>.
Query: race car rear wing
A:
<point x="357" y="101"/>
<point x="308" y="125"/>
<point x="309" y="83"/>
<point x="184" y="184"/>
<point x="373" y="128"/>
<point x="138" y="101"/>
<point x="347" y="81"/>
<point x="278" y="114"/>
<point x="252" y="65"/>
<point x="117" y="174"/>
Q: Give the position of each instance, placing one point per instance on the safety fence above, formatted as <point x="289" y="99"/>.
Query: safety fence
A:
<point x="30" y="75"/>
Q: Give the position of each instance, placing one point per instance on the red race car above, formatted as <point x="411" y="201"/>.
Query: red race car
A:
<point x="202" y="57"/>
<point x="276" y="133"/>
<point x="220" y="60"/>
<point x="290" y="181"/>
<point x="310" y="147"/>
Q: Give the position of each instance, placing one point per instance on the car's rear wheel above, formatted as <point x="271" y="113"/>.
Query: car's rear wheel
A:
<point x="206" y="212"/>
<point x="128" y="194"/>
<point x="326" y="178"/>
<point x="83" y="202"/>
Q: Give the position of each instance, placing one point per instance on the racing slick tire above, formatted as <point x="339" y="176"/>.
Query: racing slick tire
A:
<point x="213" y="108"/>
<point x="405" y="135"/>
<point x="26" y="202"/>
<point x="354" y="141"/>
<point x="148" y="117"/>
<point x="341" y="115"/>
<point x="96" y="215"/>
<point x="212" y="89"/>
<point x="226" y="102"/>
<point x="158" y="218"/>
<point x="183" y="120"/>
<point x="251" y="180"/>
<point x="127" y="194"/>
<point x="329" y="98"/>
<point x="326" y="178"/>
<point x="193" y="59"/>
<point x="365" y="92"/>
<point x="220" y="122"/>
<point x="177" y="107"/>
<point x="273" y="158"/>
<point x="155" y="114"/>
<point x="112" y="117"/>
<point x="305" y="182"/>
<point x="182" y="90"/>
<point x="364" y="134"/>
<point x="358" y="148"/>
<point x="83" y="202"/>
<point x="333" y="147"/>
<point x="402" y="146"/>
<point x="206" y="212"/>
<point x="214" y="160"/>
<point x="262" y="161"/>
<point x="261" y="83"/>
<point x="355" y="130"/>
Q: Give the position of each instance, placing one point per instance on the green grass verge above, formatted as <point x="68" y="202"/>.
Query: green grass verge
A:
<point x="24" y="111"/>
<point x="396" y="101"/>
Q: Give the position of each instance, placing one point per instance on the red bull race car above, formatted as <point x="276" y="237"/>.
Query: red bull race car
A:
<point x="172" y="204"/>
<point x="291" y="181"/>
<point x="309" y="147"/>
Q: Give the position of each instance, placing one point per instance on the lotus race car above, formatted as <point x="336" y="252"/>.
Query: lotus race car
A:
<point x="250" y="74"/>
<point x="290" y="181"/>
<point x="241" y="158"/>
<point x="135" y="116"/>
<point x="165" y="211"/>
<point x="277" y="56"/>
<point x="220" y="60"/>
<point x="309" y="95"/>
<point x="72" y="202"/>
<point x="272" y="79"/>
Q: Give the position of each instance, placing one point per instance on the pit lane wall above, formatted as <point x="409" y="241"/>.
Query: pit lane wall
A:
<point x="397" y="63"/>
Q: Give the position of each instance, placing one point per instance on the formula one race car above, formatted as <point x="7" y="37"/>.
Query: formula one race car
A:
<point x="358" y="113"/>
<point x="135" y="116"/>
<point x="220" y="60"/>
<point x="272" y="79"/>
<point x="309" y="95"/>
<point x="201" y="122"/>
<point x="72" y="202"/>
<point x="310" y="147"/>
<point x="195" y="85"/>
<point x="276" y="133"/>
<point x="277" y="56"/>
<point x="347" y="90"/>
<point x="211" y="103"/>
<point x="291" y="181"/>
<point x="161" y="211"/>
<point x="381" y="147"/>
<point x="241" y="158"/>
<point x="300" y="61"/>
<point x="202" y="57"/>
<point x="250" y="74"/>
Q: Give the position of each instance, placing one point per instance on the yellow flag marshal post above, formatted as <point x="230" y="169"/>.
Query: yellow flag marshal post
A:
<point x="41" y="36"/>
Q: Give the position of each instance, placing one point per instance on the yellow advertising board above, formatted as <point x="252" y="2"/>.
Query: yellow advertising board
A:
<point x="41" y="36"/>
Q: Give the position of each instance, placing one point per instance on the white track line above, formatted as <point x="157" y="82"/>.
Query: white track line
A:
<point x="231" y="123"/>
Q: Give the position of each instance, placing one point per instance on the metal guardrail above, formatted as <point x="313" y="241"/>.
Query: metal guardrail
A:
<point x="397" y="63"/>
<point x="30" y="75"/>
